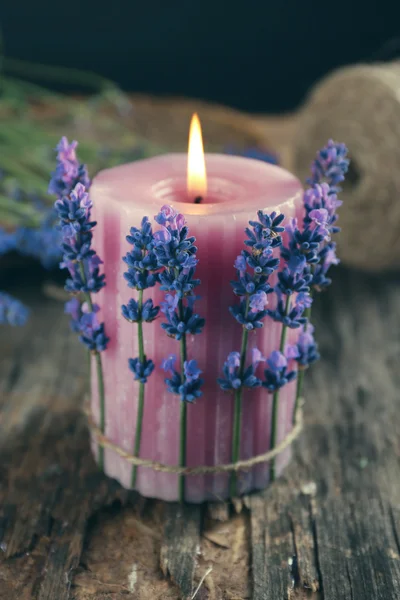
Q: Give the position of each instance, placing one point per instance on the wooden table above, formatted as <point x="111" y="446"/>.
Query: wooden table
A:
<point x="68" y="533"/>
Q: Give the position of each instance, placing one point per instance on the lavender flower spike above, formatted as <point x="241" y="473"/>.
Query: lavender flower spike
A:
<point x="141" y="275"/>
<point x="253" y="267"/>
<point x="175" y="252"/>
<point x="70" y="183"/>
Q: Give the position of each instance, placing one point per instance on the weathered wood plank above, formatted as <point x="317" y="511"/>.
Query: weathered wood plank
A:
<point x="345" y="532"/>
<point x="272" y="546"/>
<point x="337" y="509"/>
<point x="181" y="545"/>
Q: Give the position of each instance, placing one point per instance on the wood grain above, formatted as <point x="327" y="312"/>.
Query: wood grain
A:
<point x="181" y="545"/>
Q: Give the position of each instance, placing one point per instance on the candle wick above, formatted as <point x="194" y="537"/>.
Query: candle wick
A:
<point x="198" y="200"/>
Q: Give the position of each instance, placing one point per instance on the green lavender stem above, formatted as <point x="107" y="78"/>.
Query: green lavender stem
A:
<point x="139" y="419"/>
<point x="183" y="413"/>
<point x="99" y="373"/>
<point x="237" y="413"/>
<point x="275" y="400"/>
<point x="300" y="372"/>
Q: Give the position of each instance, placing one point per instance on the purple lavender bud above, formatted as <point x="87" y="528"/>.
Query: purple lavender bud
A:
<point x="191" y="370"/>
<point x="258" y="302"/>
<point x="256" y="358"/>
<point x="66" y="150"/>
<point x="162" y="236"/>
<point x="166" y="215"/>
<point x="141" y="369"/>
<point x="276" y="376"/>
<point x="303" y="301"/>
<point x="170" y="304"/>
<point x="233" y="361"/>
<point x="168" y="364"/>
<point x="241" y="265"/>
<point x="189" y="263"/>
<point x="316" y="196"/>
<point x="276" y="361"/>
<point x="291" y="351"/>
<point x="319" y="220"/>
<point x="307" y="347"/>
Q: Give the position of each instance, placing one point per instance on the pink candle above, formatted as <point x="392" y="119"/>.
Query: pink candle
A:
<point x="122" y="196"/>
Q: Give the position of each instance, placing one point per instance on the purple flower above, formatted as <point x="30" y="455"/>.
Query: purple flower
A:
<point x="233" y="361"/>
<point x="232" y="379"/>
<point x="307" y="347"/>
<point x="303" y="301"/>
<point x="162" y="236"/>
<point x="188" y="386"/>
<point x="92" y="332"/>
<point x="166" y="215"/>
<point x="141" y="369"/>
<point x="291" y="282"/>
<point x="291" y="351"/>
<point x="251" y="319"/>
<point x="169" y="218"/>
<point x="256" y="358"/>
<point x="191" y="370"/>
<point x="189" y="263"/>
<point x="331" y="164"/>
<point x="258" y="302"/>
<point x="168" y="363"/>
<point x="134" y="314"/>
<point x="276" y="361"/>
<point x="241" y="265"/>
<point x="69" y="172"/>
<point x="319" y="220"/>
<point x="291" y="315"/>
<point x="180" y="323"/>
<point x="73" y="308"/>
<point x="276" y="376"/>
<point x="12" y="311"/>
<point x="170" y="303"/>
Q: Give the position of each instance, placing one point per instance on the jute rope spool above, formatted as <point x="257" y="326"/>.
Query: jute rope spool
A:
<point x="360" y="105"/>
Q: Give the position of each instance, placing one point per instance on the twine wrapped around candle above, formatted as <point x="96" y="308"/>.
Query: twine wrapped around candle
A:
<point x="240" y="465"/>
<point x="361" y="105"/>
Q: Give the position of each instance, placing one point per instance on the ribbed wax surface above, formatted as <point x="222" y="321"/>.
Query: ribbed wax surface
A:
<point x="238" y="187"/>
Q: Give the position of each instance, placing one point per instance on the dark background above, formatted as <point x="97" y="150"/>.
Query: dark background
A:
<point x="257" y="55"/>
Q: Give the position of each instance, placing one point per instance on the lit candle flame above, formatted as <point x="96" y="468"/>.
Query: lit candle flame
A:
<point x="196" y="171"/>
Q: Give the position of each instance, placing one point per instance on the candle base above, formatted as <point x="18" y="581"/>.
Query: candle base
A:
<point x="119" y="465"/>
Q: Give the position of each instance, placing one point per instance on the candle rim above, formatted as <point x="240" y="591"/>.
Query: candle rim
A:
<point x="251" y="172"/>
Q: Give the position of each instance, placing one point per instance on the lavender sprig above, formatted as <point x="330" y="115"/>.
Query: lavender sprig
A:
<point x="175" y="252"/>
<point x="253" y="266"/>
<point x="73" y="208"/>
<point x="141" y="275"/>
<point x="320" y="221"/>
